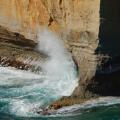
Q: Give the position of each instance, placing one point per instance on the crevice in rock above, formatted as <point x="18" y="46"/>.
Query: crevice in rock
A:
<point x="76" y="65"/>
<point x="60" y="2"/>
<point x="50" y="21"/>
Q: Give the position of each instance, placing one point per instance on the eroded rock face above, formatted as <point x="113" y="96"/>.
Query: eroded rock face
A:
<point x="25" y="15"/>
<point x="75" y="21"/>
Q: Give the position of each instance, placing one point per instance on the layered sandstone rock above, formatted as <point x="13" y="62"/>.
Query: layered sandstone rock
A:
<point x="24" y="16"/>
<point x="17" y="51"/>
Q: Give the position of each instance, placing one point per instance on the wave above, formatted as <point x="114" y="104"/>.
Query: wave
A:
<point x="24" y="92"/>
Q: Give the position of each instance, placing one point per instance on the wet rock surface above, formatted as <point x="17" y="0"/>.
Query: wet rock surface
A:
<point x="18" y="52"/>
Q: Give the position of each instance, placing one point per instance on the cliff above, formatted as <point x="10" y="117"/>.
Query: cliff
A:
<point x="24" y="16"/>
<point x="77" y="22"/>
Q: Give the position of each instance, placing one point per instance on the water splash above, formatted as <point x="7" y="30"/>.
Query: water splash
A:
<point x="23" y="92"/>
<point x="60" y="67"/>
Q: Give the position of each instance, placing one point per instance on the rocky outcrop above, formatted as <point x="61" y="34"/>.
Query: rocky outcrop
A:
<point x="17" y="51"/>
<point x="77" y="22"/>
<point x="105" y="81"/>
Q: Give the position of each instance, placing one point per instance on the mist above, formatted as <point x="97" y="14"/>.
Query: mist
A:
<point x="59" y="67"/>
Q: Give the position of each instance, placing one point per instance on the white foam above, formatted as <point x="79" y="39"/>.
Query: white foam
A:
<point x="23" y="107"/>
<point x="11" y="76"/>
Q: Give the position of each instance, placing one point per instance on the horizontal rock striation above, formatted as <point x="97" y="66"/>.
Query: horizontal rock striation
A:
<point x="17" y="51"/>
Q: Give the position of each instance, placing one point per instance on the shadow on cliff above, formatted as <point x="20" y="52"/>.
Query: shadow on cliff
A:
<point x="107" y="78"/>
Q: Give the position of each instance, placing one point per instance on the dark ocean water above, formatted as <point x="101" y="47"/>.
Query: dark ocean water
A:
<point x="95" y="113"/>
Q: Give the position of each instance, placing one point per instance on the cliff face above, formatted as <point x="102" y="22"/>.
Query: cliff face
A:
<point x="25" y="15"/>
<point x="75" y="21"/>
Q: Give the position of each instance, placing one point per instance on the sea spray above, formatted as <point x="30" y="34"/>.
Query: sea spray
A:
<point x="23" y="92"/>
<point x="59" y="67"/>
